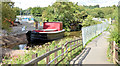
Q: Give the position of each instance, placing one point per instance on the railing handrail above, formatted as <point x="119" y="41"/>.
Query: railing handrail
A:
<point x="72" y="41"/>
<point x="117" y="48"/>
<point x="62" y="53"/>
<point x="42" y="56"/>
<point x="48" y="53"/>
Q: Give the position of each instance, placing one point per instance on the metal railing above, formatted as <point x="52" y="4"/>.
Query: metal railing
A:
<point x="92" y="31"/>
<point x="69" y="46"/>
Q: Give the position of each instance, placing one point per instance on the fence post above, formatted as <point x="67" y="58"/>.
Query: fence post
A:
<point x="71" y="49"/>
<point x="116" y="55"/>
<point x="74" y="46"/>
<point x="77" y="45"/>
<point x="62" y="50"/>
<point x="48" y="58"/>
<point x="34" y="56"/>
<point x="114" y="52"/>
<point x="67" y="51"/>
<point x="111" y="51"/>
<point x="55" y="55"/>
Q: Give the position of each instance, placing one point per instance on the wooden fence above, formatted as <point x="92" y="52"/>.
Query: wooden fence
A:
<point x="66" y="48"/>
<point x="115" y="53"/>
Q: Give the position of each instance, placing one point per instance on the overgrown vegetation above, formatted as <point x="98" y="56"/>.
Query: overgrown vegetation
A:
<point x="114" y="32"/>
<point x="89" y="21"/>
<point x="70" y="13"/>
<point x="22" y="59"/>
<point x="67" y="12"/>
<point x="114" y="36"/>
<point x="8" y="13"/>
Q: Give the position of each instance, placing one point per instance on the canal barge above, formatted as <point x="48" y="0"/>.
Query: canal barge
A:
<point x="49" y="31"/>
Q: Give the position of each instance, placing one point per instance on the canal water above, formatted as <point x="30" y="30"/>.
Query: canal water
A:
<point x="66" y="35"/>
<point x="20" y="47"/>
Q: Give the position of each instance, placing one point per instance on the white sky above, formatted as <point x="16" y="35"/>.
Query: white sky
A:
<point x="24" y="4"/>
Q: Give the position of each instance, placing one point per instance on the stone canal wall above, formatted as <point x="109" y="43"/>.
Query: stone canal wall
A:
<point x="11" y="40"/>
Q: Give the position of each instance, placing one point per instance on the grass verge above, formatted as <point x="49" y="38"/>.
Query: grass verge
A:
<point x="92" y="39"/>
<point x="40" y="50"/>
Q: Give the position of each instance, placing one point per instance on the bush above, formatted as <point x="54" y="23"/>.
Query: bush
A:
<point x="88" y="21"/>
<point x="8" y="15"/>
<point x="114" y="36"/>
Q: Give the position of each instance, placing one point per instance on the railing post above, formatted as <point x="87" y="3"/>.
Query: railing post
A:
<point x="34" y="56"/>
<point x="77" y="45"/>
<point x="74" y="46"/>
<point x="48" y="58"/>
<point x="55" y="55"/>
<point x="112" y="45"/>
<point x="62" y="50"/>
<point x="67" y="50"/>
<point x="114" y="52"/>
<point x="71" y="49"/>
<point x="111" y="50"/>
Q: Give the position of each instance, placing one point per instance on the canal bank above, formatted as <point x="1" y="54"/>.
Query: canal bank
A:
<point x="40" y="49"/>
<point x="23" y="47"/>
<point x="67" y="35"/>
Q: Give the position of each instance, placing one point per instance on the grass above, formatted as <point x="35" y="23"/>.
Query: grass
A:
<point x="92" y="39"/>
<point x="109" y="53"/>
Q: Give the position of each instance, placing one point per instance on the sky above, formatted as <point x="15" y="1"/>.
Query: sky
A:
<point x="24" y="4"/>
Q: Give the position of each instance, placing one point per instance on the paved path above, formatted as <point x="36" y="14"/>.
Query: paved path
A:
<point x="97" y="52"/>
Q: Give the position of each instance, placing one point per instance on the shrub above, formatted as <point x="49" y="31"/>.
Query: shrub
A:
<point x="114" y="36"/>
<point x="88" y="21"/>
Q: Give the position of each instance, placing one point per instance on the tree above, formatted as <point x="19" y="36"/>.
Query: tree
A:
<point x="88" y="21"/>
<point x="97" y="12"/>
<point x="67" y="12"/>
<point x="101" y="14"/>
<point x="8" y="14"/>
<point x="17" y="10"/>
<point x="114" y="6"/>
<point x="37" y="11"/>
<point x="97" y="6"/>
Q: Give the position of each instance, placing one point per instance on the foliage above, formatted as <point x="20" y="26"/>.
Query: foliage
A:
<point x="97" y="12"/>
<point x="88" y="21"/>
<point x="37" y="11"/>
<point x="70" y="13"/>
<point x="114" y="32"/>
<point x="22" y="59"/>
<point x="17" y="10"/>
<point x="8" y="13"/>
<point x="91" y="7"/>
<point x="109" y="53"/>
<point x="67" y="12"/>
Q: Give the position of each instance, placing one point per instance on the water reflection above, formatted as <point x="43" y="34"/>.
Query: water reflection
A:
<point x="20" y="47"/>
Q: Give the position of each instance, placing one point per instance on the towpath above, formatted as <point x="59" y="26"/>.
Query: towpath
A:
<point x="95" y="52"/>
